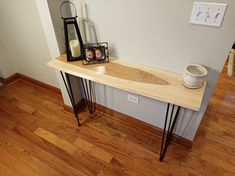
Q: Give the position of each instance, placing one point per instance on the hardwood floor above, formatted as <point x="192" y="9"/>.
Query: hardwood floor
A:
<point x="38" y="137"/>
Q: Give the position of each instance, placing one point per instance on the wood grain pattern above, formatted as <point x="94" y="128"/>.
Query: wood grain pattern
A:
<point x="93" y="150"/>
<point x="23" y="106"/>
<point x="128" y="149"/>
<point x="112" y="75"/>
<point x="57" y="141"/>
<point x="131" y="74"/>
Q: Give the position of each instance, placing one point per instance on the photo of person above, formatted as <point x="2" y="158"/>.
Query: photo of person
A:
<point x="90" y="54"/>
<point x="99" y="54"/>
<point x="95" y="53"/>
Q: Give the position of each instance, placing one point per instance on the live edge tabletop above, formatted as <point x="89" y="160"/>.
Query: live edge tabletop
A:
<point x="154" y="83"/>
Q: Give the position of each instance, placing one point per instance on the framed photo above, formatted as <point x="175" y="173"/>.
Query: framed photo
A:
<point x="96" y="53"/>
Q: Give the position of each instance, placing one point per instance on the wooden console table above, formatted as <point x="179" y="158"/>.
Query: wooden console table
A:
<point x="157" y="84"/>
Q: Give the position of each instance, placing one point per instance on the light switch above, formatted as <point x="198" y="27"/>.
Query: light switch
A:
<point x="209" y="14"/>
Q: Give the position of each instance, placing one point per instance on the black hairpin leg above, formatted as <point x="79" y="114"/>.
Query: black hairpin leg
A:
<point x="67" y="84"/>
<point x="89" y="93"/>
<point x="166" y="137"/>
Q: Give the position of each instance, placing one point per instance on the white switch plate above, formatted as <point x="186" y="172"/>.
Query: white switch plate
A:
<point x="209" y="14"/>
<point x="133" y="99"/>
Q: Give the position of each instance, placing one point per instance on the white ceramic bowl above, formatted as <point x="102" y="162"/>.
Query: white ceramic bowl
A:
<point x="194" y="76"/>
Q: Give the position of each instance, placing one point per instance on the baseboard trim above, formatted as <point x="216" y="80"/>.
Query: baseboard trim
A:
<point x="40" y="84"/>
<point x="68" y="108"/>
<point x="17" y="76"/>
<point x="2" y="80"/>
<point x="80" y="106"/>
<point x="142" y="125"/>
<point x="11" y="78"/>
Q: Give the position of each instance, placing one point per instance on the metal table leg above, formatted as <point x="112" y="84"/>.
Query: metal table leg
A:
<point x="89" y="93"/>
<point x="167" y="134"/>
<point x="67" y="84"/>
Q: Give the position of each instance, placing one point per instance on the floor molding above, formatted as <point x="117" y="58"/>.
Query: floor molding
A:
<point x="17" y="76"/>
<point x="112" y="113"/>
<point x="142" y="125"/>
<point x="40" y="84"/>
<point x="79" y="106"/>
<point x="11" y="78"/>
<point x="2" y="80"/>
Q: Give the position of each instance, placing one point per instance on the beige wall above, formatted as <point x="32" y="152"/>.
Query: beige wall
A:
<point x="23" y="40"/>
<point x="6" y="66"/>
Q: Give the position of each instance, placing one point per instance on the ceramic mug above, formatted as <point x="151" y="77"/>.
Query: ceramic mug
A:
<point x="194" y="75"/>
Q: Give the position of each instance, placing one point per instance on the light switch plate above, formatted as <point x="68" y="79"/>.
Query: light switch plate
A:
<point x="209" y="14"/>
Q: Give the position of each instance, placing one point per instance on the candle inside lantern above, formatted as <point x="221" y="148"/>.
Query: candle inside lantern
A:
<point x="75" y="48"/>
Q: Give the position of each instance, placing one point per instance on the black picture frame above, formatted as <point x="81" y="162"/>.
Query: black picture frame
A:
<point x="96" y="53"/>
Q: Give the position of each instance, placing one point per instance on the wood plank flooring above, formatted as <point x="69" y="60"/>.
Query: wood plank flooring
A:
<point x="39" y="138"/>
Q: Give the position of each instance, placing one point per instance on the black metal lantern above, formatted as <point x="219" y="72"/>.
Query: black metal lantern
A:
<point x="72" y="21"/>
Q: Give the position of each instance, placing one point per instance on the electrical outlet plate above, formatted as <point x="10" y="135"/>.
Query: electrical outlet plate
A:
<point x="133" y="99"/>
<point x="209" y="14"/>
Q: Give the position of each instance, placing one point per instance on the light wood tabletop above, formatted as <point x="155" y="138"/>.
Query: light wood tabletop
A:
<point x="150" y="82"/>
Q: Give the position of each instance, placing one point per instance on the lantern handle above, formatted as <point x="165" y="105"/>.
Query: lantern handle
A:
<point x="67" y="2"/>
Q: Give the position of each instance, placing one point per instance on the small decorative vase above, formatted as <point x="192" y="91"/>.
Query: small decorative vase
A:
<point x="194" y="76"/>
